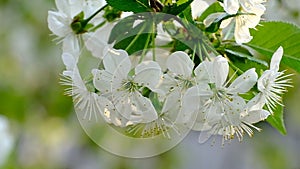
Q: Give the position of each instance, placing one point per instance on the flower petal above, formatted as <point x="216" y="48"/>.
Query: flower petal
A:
<point x="231" y="6"/>
<point x="180" y="64"/>
<point x="102" y="80"/>
<point x="256" y="116"/>
<point x="173" y="104"/>
<point x="219" y="71"/>
<point x="276" y="58"/>
<point x="71" y="45"/>
<point x="148" y="73"/>
<point x="69" y="61"/>
<point x="241" y="32"/>
<point x="58" y="24"/>
<point x="203" y="72"/>
<point x="109" y="113"/>
<point x="97" y="43"/>
<point x="135" y="107"/>
<point x="198" y="7"/>
<point x="244" y="82"/>
<point x="117" y="63"/>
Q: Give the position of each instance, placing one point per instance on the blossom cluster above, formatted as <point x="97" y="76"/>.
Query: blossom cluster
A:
<point x="157" y="95"/>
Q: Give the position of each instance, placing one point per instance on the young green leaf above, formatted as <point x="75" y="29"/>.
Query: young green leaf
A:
<point x="135" y="6"/>
<point x="276" y="120"/>
<point x="176" y="9"/>
<point x="270" y="35"/>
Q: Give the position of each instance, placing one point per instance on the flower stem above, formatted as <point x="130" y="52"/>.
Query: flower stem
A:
<point x="86" y="21"/>
<point x="194" y="53"/>
<point x="135" y="38"/>
<point x="145" y="48"/>
<point x="153" y="42"/>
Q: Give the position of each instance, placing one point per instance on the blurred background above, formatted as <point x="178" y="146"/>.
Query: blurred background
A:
<point x="39" y="129"/>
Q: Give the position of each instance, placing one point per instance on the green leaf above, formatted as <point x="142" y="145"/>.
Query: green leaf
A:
<point x="276" y="120"/>
<point x="135" y="6"/>
<point x="213" y="8"/>
<point x="121" y="28"/>
<point x="187" y="14"/>
<point x="136" y="38"/>
<point x="246" y="56"/>
<point x="270" y="35"/>
<point x="176" y="9"/>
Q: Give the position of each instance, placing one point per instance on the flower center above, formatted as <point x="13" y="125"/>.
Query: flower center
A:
<point x="130" y="86"/>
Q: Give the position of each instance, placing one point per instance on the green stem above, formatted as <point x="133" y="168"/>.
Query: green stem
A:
<point x="200" y="52"/>
<point x="153" y="42"/>
<point x="98" y="26"/>
<point x="86" y="21"/>
<point x="135" y="38"/>
<point x="235" y="67"/>
<point x="205" y="51"/>
<point x="194" y="53"/>
<point x="145" y="48"/>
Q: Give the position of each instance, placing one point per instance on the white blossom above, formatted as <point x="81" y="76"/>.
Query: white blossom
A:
<point x="174" y="84"/>
<point x="215" y="105"/>
<point x="248" y="15"/>
<point x="273" y="83"/>
<point x="237" y="119"/>
<point x="59" y="22"/>
<point x="87" y="102"/>
<point x="124" y="89"/>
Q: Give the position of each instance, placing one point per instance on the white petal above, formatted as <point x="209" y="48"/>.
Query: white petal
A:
<point x="190" y="104"/>
<point x="203" y="71"/>
<point x="135" y="107"/>
<point x="180" y="64"/>
<point x="69" y="61"/>
<point x="244" y="82"/>
<point x="97" y="42"/>
<point x="198" y="7"/>
<point x="253" y="7"/>
<point x="109" y="113"/>
<point x="162" y="56"/>
<point x="91" y="6"/>
<point x="233" y="109"/>
<point x="145" y="107"/>
<point x="231" y="6"/>
<point x="205" y="135"/>
<point x="220" y="71"/>
<point x="148" y="73"/>
<point x="263" y="81"/>
<point x="276" y="58"/>
<point x="167" y="84"/>
<point x="256" y="103"/>
<point x="102" y="80"/>
<point x="241" y="32"/>
<point x="63" y="6"/>
<point x="226" y="23"/>
<point x="194" y="100"/>
<point x="77" y="80"/>
<point x="256" y="116"/>
<point x="172" y="104"/>
<point x="58" y="24"/>
<point x="71" y="45"/>
<point x="117" y="63"/>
